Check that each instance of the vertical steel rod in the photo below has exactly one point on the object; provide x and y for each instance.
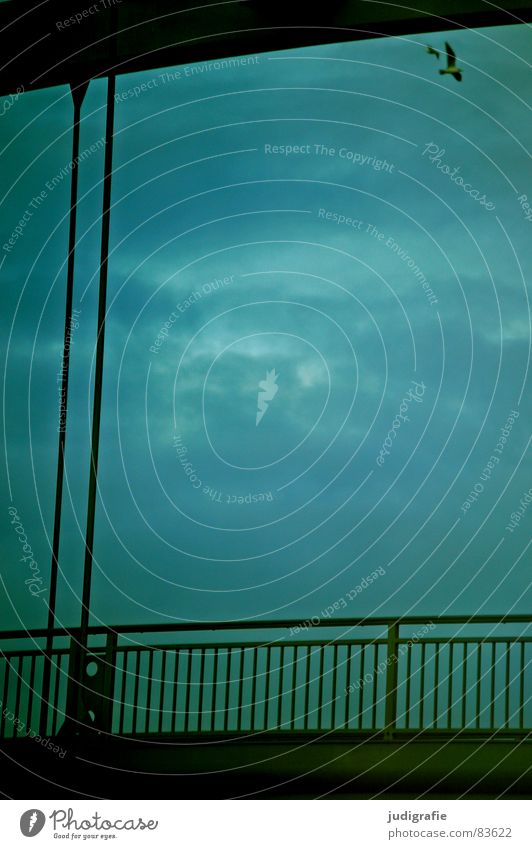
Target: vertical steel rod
(78, 94)
(98, 372)
(97, 403)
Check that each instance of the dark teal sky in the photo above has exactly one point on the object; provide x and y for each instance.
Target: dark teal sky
(336, 310)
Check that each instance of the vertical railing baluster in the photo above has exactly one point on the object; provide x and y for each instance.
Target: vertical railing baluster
(214, 688)
(450, 685)
(253, 719)
(267, 689)
(125, 655)
(240, 690)
(321, 650)
(293, 689)
(202, 688)
(374, 687)
(188, 653)
(333, 693)
(464, 685)
(109, 677)
(347, 685)
(4, 696)
(522, 686)
(435, 716)
(507, 688)
(492, 682)
(148, 692)
(479, 681)
(227, 688)
(55, 705)
(280, 686)
(407, 689)
(422, 685)
(136, 692)
(18, 691)
(307, 686)
(161, 696)
(174, 690)
(30, 693)
(361, 686)
(391, 680)
(74, 689)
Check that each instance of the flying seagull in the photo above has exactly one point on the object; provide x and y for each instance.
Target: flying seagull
(432, 52)
(451, 64)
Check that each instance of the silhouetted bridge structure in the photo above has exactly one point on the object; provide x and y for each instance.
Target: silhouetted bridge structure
(240, 708)
(434, 681)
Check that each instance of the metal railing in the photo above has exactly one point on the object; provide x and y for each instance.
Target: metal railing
(385, 682)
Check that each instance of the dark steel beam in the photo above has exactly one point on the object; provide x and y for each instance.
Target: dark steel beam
(45, 44)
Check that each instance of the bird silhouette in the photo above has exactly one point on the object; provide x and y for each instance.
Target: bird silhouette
(451, 64)
(432, 52)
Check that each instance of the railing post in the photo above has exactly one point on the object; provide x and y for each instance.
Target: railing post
(92, 693)
(71, 709)
(108, 682)
(392, 662)
(45, 688)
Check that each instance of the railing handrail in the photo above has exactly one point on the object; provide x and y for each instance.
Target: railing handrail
(279, 624)
(338, 662)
